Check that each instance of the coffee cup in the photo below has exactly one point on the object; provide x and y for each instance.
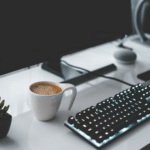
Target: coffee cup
(45, 98)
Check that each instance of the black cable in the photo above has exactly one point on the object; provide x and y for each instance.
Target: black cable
(97, 74)
(122, 46)
(122, 43)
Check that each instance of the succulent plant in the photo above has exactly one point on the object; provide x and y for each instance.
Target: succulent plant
(3, 110)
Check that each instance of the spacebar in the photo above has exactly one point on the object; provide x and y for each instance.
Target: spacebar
(126, 122)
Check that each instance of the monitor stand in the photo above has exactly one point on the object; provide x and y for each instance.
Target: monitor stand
(71, 75)
(53, 66)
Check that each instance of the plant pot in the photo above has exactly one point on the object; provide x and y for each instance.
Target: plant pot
(5, 123)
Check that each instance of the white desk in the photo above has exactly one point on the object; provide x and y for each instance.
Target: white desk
(27, 133)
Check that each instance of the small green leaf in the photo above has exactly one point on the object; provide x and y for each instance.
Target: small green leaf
(2, 104)
(3, 110)
(6, 108)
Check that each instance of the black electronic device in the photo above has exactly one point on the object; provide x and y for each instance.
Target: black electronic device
(147, 147)
(35, 32)
(144, 75)
(125, 56)
(110, 118)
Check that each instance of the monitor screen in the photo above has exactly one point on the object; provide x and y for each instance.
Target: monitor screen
(34, 32)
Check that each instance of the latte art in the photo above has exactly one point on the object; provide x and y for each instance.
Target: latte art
(45, 89)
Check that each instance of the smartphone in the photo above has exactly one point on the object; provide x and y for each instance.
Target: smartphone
(144, 75)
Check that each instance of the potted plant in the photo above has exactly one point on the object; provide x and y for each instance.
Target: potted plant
(5, 119)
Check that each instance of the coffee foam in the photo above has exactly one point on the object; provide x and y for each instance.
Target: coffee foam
(45, 89)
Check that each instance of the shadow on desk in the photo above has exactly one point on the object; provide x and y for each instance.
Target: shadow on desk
(8, 143)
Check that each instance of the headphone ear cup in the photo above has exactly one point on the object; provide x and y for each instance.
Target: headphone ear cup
(137, 19)
(146, 16)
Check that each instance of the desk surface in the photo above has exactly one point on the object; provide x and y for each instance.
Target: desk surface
(27, 133)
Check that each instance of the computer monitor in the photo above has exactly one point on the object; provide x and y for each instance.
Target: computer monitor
(35, 32)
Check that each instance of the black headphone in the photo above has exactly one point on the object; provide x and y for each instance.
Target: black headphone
(137, 20)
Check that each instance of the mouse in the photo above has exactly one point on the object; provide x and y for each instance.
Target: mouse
(125, 56)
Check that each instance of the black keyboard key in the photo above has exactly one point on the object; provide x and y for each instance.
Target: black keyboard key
(146, 89)
(71, 120)
(103, 103)
(77, 124)
(84, 113)
(117, 97)
(133, 89)
(100, 138)
(99, 106)
(84, 127)
(90, 124)
(96, 126)
(78, 115)
(87, 118)
(109, 119)
(106, 134)
(96, 113)
(101, 111)
(108, 125)
(104, 128)
(94, 120)
(92, 115)
(108, 101)
(101, 123)
(93, 109)
(89, 131)
(99, 118)
(111, 131)
(88, 110)
(82, 120)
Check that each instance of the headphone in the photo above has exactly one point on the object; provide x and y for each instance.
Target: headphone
(137, 20)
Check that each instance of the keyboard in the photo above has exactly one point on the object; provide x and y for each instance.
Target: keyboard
(113, 116)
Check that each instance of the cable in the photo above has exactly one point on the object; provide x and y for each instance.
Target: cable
(121, 44)
(97, 74)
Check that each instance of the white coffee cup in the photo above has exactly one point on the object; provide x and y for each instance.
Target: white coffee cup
(45, 107)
